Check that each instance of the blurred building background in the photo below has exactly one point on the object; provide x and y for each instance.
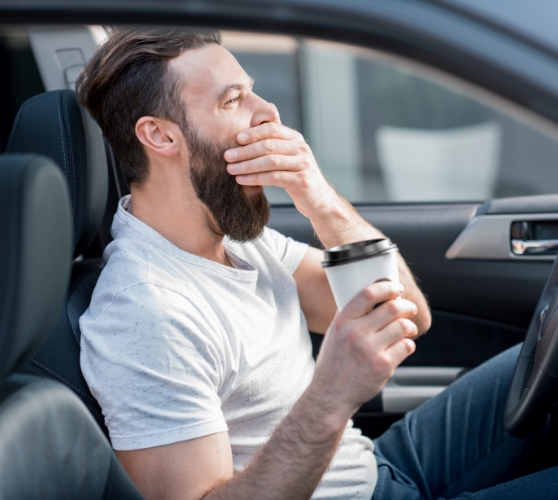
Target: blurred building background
(387, 130)
(382, 129)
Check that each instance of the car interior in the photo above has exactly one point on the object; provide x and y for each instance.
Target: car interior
(486, 267)
(50, 445)
(53, 124)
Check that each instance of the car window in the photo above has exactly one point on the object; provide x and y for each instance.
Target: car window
(386, 130)
(20, 76)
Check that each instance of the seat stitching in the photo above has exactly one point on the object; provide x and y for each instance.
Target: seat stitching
(105, 489)
(54, 374)
(37, 371)
(63, 148)
(71, 152)
(15, 127)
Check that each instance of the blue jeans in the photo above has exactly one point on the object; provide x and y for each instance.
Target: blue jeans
(455, 445)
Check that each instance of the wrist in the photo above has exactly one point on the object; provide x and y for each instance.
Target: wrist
(336, 222)
(330, 206)
(326, 417)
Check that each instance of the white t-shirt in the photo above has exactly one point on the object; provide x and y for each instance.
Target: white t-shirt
(175, 347)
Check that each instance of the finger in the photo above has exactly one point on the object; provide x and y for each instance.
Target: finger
(278, 178)
(390, 310)
(399, 329)
(372, 295)
(268, 130)
(400, 350)
(264, 147)
(265, 164)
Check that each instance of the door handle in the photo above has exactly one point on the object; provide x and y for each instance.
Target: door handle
(534, 247)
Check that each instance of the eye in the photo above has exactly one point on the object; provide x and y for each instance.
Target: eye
(232, 101)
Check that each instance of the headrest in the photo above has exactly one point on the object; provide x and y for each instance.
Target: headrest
(35, 254)
(54, 124)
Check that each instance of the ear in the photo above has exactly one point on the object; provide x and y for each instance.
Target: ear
(161, 136)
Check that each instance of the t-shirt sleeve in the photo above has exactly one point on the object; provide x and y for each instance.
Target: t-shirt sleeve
(154, 363)
(290, 252)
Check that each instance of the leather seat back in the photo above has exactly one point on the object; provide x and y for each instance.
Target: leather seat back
(33, 277)
(54, 124)
(50, 447)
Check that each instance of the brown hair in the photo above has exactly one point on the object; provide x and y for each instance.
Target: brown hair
(129, 77)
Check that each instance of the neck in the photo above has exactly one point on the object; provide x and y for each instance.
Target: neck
(174, 211)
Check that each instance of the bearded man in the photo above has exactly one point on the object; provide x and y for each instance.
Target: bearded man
(196, 341)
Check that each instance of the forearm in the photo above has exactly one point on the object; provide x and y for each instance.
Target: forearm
(294, 459)
(273, 155)
(338, 223)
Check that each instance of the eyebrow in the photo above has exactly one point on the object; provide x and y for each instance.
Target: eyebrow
(234, 86)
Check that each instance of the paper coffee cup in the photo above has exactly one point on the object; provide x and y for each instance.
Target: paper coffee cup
(350, 268)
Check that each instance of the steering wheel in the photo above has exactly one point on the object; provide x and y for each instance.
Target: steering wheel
(534, 384)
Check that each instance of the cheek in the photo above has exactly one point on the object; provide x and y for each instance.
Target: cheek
(247, 115)
(240, 122)
(226, 126)
(233, 128)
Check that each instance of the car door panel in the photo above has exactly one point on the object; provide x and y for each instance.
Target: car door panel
(501, 291)
(480, 307)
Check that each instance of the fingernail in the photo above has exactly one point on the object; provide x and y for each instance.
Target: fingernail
(231, 154)
(242, 137)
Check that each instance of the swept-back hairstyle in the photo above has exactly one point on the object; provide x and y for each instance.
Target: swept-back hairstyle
(129, 77)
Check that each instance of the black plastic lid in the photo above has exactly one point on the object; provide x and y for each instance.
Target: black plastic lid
(344, 254)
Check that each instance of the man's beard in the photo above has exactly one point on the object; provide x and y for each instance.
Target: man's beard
(239, 216)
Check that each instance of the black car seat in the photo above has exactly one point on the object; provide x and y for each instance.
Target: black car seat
(55, 125)
(50, 446)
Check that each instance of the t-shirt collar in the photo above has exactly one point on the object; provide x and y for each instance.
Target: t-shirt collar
(125, 225)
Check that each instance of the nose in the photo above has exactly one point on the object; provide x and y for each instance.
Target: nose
(264, 112)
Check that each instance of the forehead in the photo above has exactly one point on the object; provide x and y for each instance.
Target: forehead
(207, 71)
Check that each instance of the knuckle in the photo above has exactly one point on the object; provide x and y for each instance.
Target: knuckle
(403, 325)
(304, 181)
(305, 162)
(392, 307)
(382, 362)
(407, 326)
(274, 160)
(413, 329)
(269, 145)
(368, 294)
(275, 128)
